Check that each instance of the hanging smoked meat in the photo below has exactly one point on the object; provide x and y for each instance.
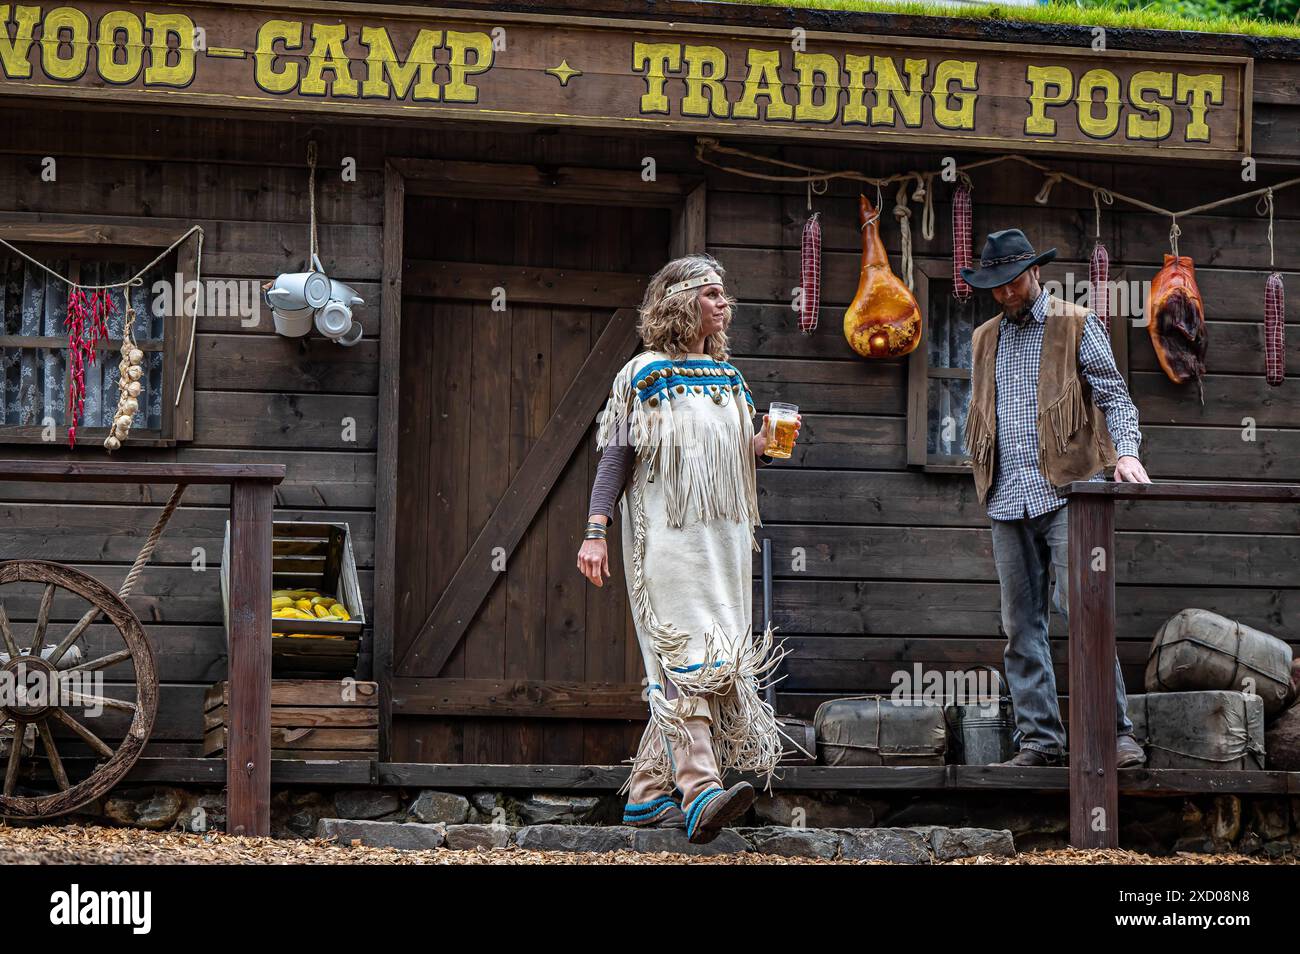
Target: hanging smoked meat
(1176, 322)
(883, 321)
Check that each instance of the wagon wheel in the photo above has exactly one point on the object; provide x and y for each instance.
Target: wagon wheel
(35, 662)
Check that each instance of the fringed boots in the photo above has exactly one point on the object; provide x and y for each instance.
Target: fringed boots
(650, 803)
(707, 805)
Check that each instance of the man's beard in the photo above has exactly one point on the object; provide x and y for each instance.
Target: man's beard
(1021, 315)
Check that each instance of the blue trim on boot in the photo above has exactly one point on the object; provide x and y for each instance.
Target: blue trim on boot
(697, 806)
(647, 810)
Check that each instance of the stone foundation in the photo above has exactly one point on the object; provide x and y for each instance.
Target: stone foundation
(1154, 825)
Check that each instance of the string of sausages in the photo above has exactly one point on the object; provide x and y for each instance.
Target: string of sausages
(1099, 263)
(1274, 311)
(810, 267)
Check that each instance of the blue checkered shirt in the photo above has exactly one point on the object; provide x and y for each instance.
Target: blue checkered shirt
(1019, 487)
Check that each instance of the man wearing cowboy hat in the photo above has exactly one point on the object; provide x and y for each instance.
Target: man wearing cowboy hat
(1048, 406)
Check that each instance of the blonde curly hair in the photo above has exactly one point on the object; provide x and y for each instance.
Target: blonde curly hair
(669, 324)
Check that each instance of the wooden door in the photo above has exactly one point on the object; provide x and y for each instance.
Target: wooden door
(504, 305)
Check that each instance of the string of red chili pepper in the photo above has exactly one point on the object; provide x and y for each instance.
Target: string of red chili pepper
(86, 323)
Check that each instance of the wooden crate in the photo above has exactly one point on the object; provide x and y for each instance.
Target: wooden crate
(318, 556)
(310, 719)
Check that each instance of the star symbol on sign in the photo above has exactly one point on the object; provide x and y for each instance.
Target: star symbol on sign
(564, 72)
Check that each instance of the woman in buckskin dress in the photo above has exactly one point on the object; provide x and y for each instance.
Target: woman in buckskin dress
(679, 447)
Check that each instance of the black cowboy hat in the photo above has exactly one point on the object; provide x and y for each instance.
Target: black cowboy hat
(1006, 254)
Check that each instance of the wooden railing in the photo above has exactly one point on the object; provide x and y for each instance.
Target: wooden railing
(252, 489)
(1094, 791)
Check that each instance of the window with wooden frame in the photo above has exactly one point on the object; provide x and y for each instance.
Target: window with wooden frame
(939, 370)
(34, 366)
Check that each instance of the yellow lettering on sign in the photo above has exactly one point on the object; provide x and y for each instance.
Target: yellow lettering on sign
(327, 53)
(56, 21)
(264, 72)
(695, 103)
(855, 107)
(1160, 122)
(109, 26)
(964, 72)
(655, 60)
(767, 82)
(382, 60)
(809, 66)
(1198, 92)
(1108, 83)
(889, 87)
(461, 45)
(1039, 78)
(160, 26)
(15, 54)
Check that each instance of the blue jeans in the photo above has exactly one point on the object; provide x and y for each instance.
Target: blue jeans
(1024, 551)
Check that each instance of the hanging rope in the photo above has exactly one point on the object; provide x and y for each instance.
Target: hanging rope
(311, 197)
(92, 614)
(925, 195)
(1265, 206)
(1045, 192)
(135, 280)
(194, 324)
(152, 541)
(705, 145)
(904, 214)
(1099, 196)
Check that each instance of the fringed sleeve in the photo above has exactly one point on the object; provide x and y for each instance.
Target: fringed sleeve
(612, 422)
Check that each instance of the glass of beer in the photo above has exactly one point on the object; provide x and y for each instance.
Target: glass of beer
(782, 418)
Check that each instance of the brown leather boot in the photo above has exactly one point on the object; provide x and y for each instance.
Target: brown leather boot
(650, 803)
(1031, 758)
(707, 805)
(1128, 753)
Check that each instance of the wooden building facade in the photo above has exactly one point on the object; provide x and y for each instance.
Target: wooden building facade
(455, 439)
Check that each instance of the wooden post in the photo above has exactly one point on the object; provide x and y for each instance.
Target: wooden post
(248, 745)
(1094, 792)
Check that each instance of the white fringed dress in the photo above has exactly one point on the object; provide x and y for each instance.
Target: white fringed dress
(688, 540)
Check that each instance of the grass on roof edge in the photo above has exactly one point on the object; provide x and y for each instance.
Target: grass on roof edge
(1118, 16)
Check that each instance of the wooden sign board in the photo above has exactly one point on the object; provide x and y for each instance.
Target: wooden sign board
(616, 74)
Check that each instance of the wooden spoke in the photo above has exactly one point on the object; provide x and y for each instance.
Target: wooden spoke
(92, 614)
(42, 619)
(81, 699)
(11, 773)
(103, 662)
(56, 763)
(94, 741)
(10, 646)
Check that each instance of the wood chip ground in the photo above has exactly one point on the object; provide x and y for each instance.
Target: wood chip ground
(77, 844)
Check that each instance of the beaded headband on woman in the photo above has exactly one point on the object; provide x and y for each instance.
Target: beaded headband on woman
(709, 278)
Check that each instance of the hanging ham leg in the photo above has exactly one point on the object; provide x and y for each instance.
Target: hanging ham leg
(883, 321)
(1176, 322)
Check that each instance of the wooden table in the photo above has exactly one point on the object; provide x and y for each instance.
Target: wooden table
(252, 489)
(1094, 791)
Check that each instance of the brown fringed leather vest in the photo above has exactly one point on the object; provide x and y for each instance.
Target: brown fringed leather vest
(1073, 441)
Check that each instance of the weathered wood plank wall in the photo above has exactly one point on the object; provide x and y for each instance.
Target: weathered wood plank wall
(899, 562)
